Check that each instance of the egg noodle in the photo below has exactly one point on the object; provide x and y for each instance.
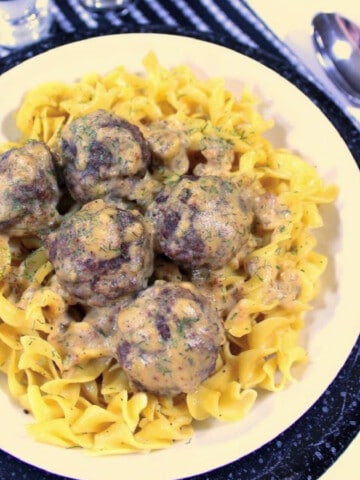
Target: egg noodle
(93, 406)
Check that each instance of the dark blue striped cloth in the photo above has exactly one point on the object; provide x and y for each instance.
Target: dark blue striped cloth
(226, 17)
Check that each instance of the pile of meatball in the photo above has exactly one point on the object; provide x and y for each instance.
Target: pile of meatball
(105, 246)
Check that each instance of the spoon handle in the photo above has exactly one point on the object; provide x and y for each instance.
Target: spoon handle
(336, 43)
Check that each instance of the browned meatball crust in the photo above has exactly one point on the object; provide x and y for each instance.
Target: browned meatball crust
(200, 221)
(102, 151)
(170, 337)
(28, 190)
(101, 253)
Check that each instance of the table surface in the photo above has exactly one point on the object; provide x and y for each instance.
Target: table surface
(311, 447)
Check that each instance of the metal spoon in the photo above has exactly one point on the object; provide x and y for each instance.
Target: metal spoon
(337, 42)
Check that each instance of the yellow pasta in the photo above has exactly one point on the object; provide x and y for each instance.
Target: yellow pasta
(93, 406)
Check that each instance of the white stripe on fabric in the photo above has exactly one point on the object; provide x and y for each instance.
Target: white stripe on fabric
(84, 15)
(226, 23)
(4, 52)
(137, 14)
(161, 12)
(112, 18)
(60, 18)
(191, 15)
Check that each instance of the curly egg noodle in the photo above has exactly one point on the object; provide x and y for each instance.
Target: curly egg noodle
(92, 405)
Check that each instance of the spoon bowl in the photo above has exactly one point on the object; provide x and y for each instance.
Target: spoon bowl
(337, 43)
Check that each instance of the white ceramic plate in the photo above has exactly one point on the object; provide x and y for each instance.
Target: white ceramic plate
(332, 327)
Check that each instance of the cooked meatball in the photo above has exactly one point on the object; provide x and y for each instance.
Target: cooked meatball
(268, 212)
(28, 190)
(93, 336)
(101, 253)
(168, 144)
(200, 221)
(215, 157)
(170, 338)
(101, 152)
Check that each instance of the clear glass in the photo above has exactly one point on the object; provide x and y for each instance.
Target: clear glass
(105, 4)
(23, 22)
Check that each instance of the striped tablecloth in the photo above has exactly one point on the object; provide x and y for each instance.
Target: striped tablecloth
(308, 448)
